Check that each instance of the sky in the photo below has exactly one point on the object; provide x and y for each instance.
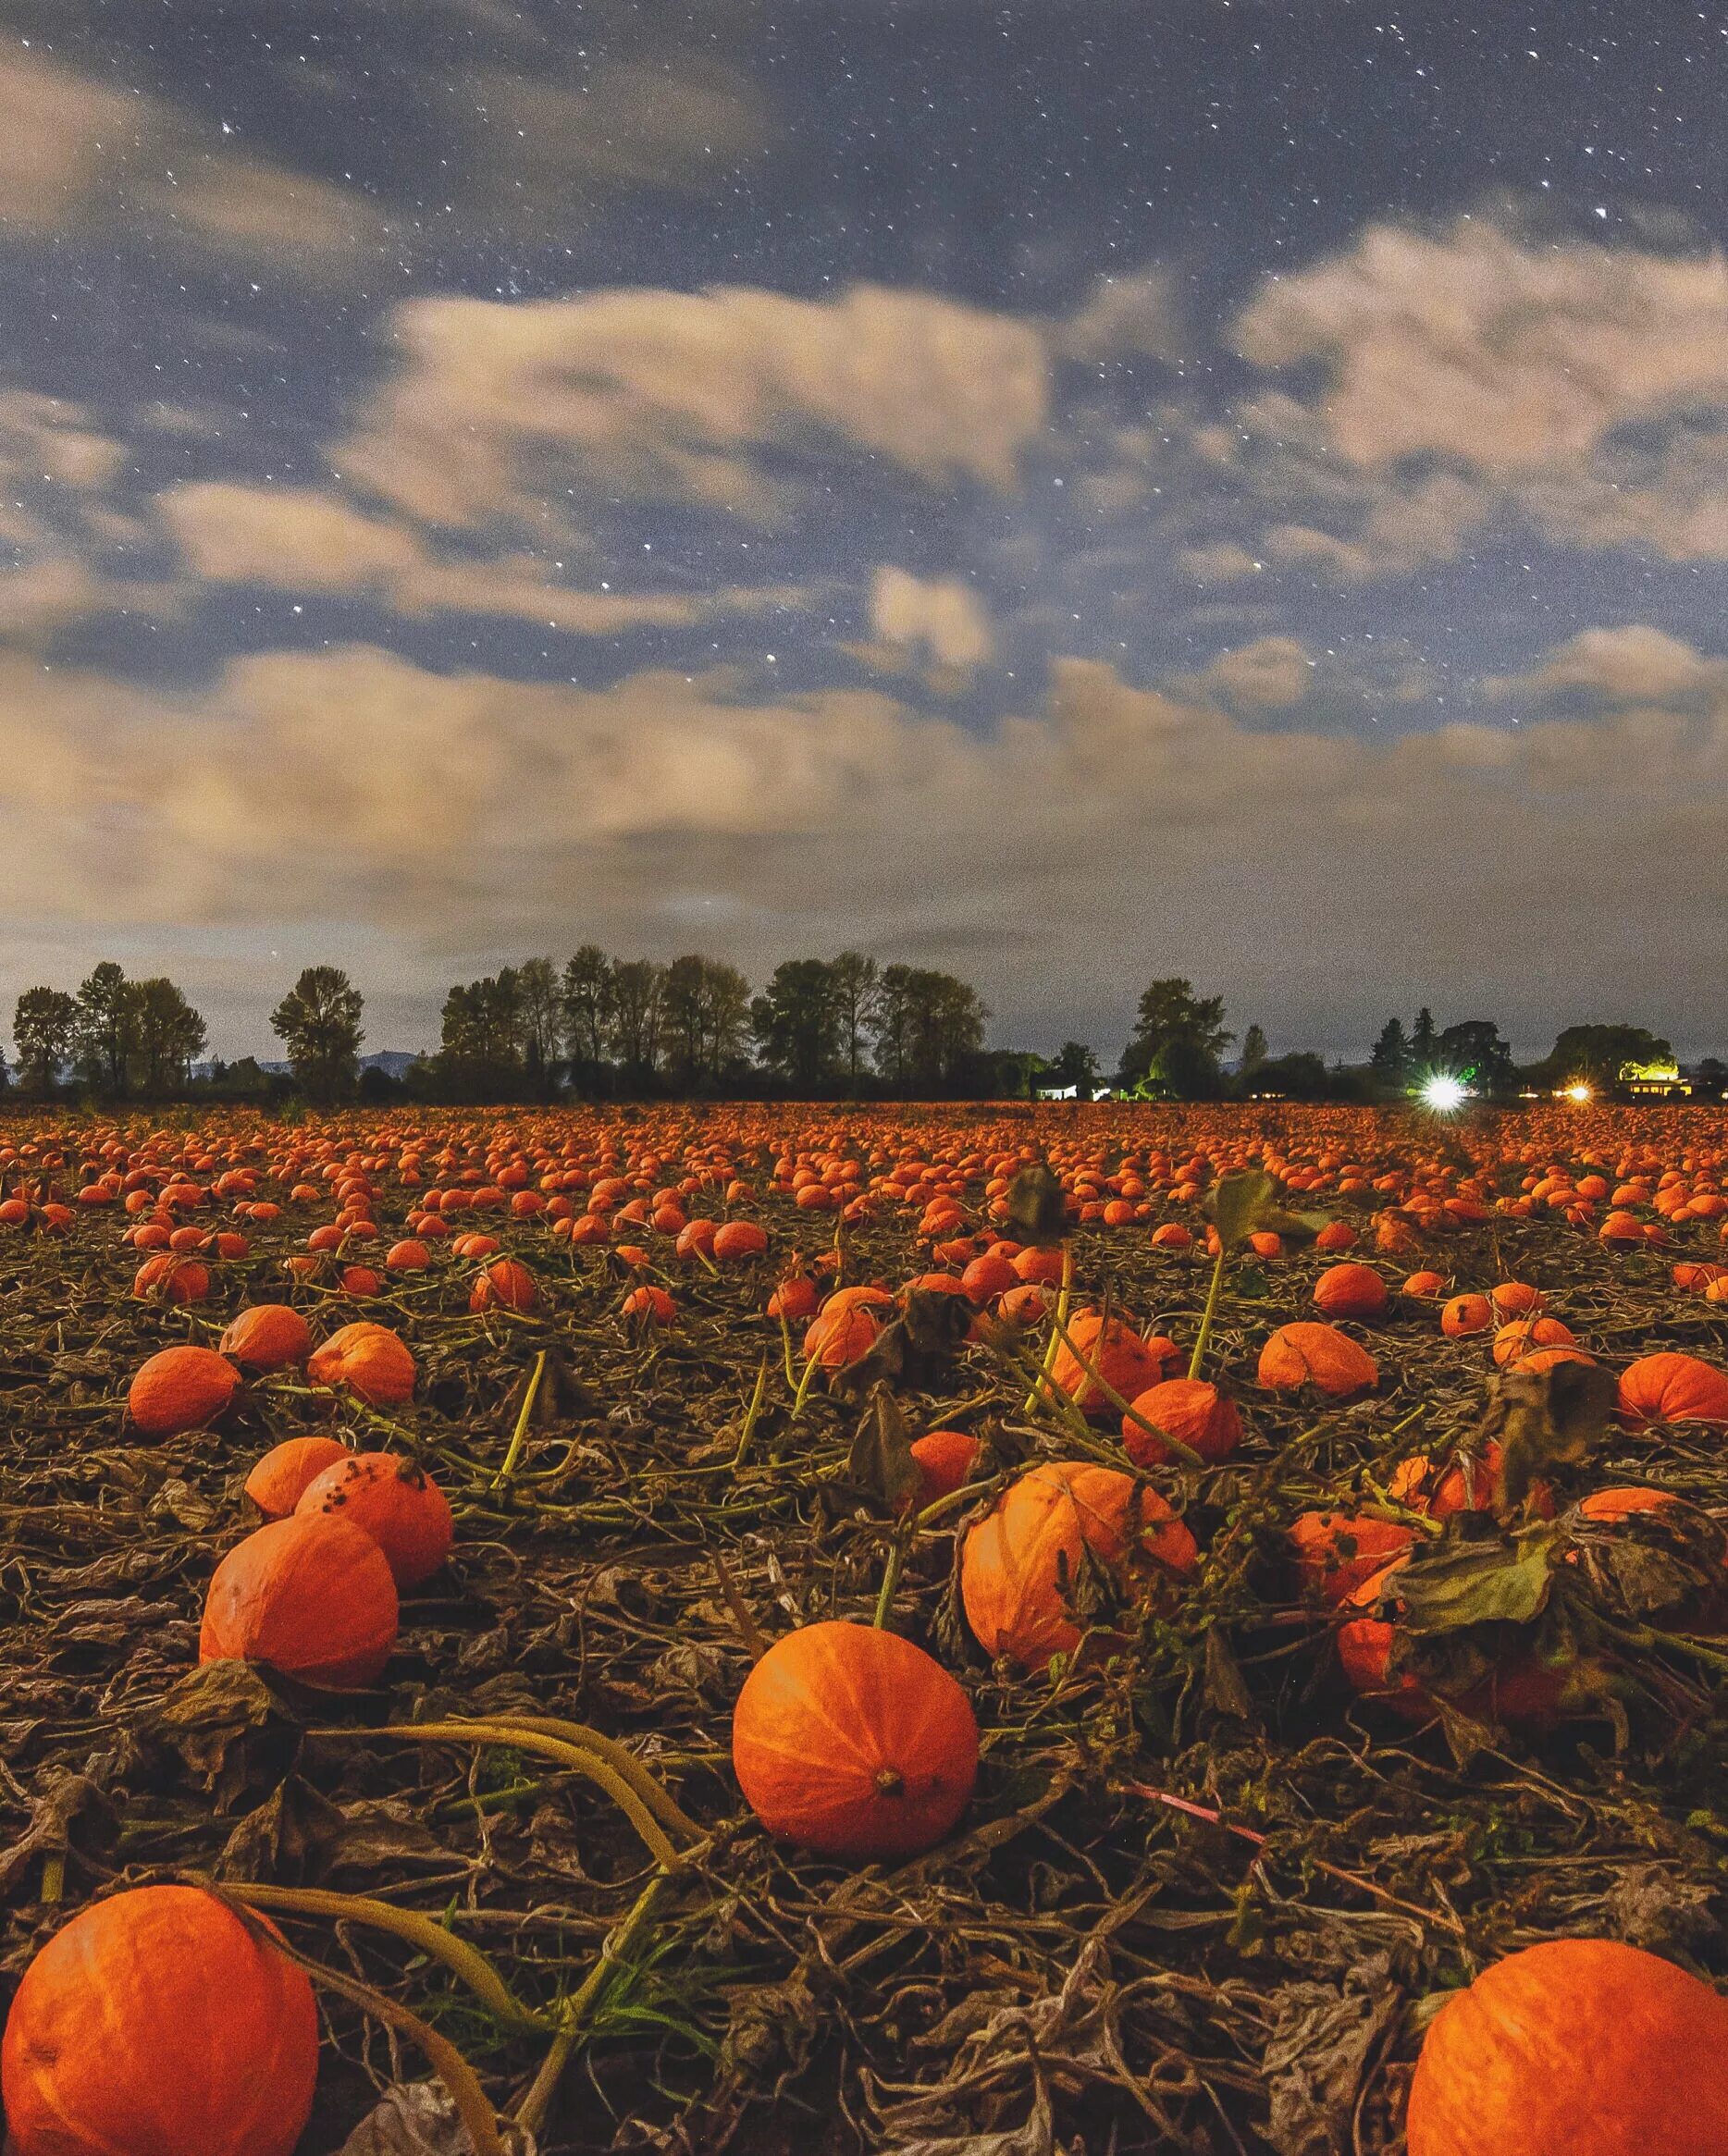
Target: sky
(1070, 492)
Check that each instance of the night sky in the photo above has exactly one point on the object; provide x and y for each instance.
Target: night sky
(1069, 493)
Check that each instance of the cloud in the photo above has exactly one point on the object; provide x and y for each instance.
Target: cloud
(1465, 371)
(294, 538)
(496, 410)
(450, 816)
(1217, 561)
(1125, 317)
(79, 155)
(1638, 664)
(1267, 675)
(941, 617)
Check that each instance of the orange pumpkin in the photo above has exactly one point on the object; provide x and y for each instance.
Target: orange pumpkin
(1465, 1314)
(1126, 1362)
(159, 2023)
(1672, 1387)
(171, 1279)
(270, 1336)
(311, 1596)
(397, 1503)
(1194, 1414)
(1351, 1291)
(1335, 1552)
(279, 1481)
(180, 1388)
(1019, 1560)
(855, 1743)
(945, 1460)
(1515, 1342)
(367, 1359)
(738, 1240)
(507, 1282)
(1582, 2046)
(1306, 1353)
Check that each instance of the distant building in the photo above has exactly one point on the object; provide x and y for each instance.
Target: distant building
(1654, 1082)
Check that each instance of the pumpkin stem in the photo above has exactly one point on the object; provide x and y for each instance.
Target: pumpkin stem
(531, 2112)
(519, 1433)
(1203, 1338)
(890, 1781)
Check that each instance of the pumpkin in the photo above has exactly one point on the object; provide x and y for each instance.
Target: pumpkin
(505, 1281)
(1672, 1387)
(1126, 1362)
(1575, 2047)
(1517, 1298)
(1351, 1291)
(1425, 1287)
(313, 1597)
(945, 1460)
(1335, 1552)
(367, 1359)
(1017, 1561)
(1306, 1353)
(738, 1240)
(1465, 1314)
(270, 1336)
(1523, 1691)
(649, 1306)
(397, 1503)
(1515, 1342)
(159, 2023)
(794, 1298)
(279, 1481)
(855, 1743)
(1194, 1414)
(180, 1388)
(171, 1279)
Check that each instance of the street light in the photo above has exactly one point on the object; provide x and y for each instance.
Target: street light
(1442, 1093)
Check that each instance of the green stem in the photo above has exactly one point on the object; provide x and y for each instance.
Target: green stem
(750, 1413)
(531, 2112)
(1061, 1319)
(1203, 1340)
(519, 1434)
(891, 1578)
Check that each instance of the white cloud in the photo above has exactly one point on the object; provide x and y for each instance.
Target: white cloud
(497, 410)
(941, 617)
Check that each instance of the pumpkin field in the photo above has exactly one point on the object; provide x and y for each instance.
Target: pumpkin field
(956, 1631)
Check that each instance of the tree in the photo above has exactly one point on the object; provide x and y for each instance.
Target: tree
(854, 978)
(1073, 1064)
(587, 997)
(1474, 1050)
(44, 1022)
(1423, 1044)
(633, 1024)
(924, 1025)
(167, 1037)
(1255, 1051)
(1299, 1076)
(481, 1044)
(1596, 1052)
(319, 1022)
(540, 1022)
(1712, 1076)
(1177, 1041)
(104, 1038)
(796, 1023)
(1391, 1058)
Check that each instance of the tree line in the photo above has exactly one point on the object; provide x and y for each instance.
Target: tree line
(603, 1027)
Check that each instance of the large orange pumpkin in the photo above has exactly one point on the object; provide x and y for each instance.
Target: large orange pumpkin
(1126, 1362)
(158, 2023)
(1019, 1560)
(1576, 2047)
(369, 1361)
(279, 1481)
(397, 1503)
(1672, 1387)
(270, 1336)
(855, 1743)
(1351, 1291)
(507, 1282)
(313, 1597)
(180, 1388)
(1194, 1414)
(1306, 1353)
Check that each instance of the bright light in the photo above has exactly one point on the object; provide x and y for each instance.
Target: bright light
(1580, 1093)
(1442, 1092)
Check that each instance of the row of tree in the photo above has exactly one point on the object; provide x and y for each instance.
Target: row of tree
(603, 1026)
